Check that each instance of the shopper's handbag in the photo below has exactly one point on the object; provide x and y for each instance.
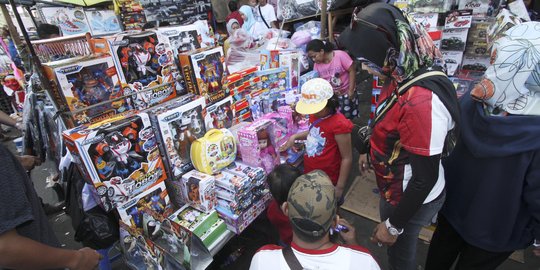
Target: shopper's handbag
(291, 259)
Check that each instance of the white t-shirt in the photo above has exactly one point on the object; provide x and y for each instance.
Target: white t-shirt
(336, 257)
(267, 12)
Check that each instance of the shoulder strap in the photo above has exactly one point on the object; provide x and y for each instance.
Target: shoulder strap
(262, 17)
(291, 259)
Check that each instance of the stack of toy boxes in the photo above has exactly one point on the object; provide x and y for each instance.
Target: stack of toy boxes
(148, 70)
(199, 190)
(289, 59)
(132, 14)
(240, 84)
(271, 92)
(89, 87)
(248, 183)
(258, 145)
(207, 226)
(120, 158)
(204, 73)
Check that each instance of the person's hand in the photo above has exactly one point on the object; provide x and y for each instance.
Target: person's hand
(20, 126)
(29, 162)
(349, 235)
(288, 144)
(381, 236)
(339, 192)
(363, 165)
(86, 258)
(352, 95)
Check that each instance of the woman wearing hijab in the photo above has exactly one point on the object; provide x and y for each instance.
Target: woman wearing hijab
(413, 125)
(253, 27)
(492, 206)
(232, 25)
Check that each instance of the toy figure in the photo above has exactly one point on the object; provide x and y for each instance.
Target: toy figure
(193, 190)
(267, 151)
(196, 123)
(136, 216)
(155, 204)
(184, 138)
(141, 57)
(117, 148)
(104, 168)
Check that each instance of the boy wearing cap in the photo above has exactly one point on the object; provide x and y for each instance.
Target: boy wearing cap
(311, 207)
(328, 139)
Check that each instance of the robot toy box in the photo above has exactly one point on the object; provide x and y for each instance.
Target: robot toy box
(179, 127)
(213, 152)
(155, 198)
(258, 145)
(121, 158)
(148, 69)
(139, 253)
(221, 114)
(89, 88)
(199, 190)
(181, 39)
(204, 73)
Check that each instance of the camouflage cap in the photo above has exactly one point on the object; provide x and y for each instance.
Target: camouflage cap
(312, 203)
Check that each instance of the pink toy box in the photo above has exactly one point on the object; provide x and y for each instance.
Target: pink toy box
(258, 145)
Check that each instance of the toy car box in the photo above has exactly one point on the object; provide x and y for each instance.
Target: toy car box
(155, 198)
(89, 87)
(240, 84)
(148, 70)
(199, 190)
(204, 73)
(258, 145)
(120, 158)
(237, 223)
(221, 114)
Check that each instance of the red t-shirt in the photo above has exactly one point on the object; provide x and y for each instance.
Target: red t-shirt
(280, 221)
(322, 151)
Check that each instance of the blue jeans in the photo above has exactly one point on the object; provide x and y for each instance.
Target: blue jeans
(402, 254)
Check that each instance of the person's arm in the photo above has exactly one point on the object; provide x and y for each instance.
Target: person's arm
(531, 196)
(345, 149)
(7, 120)
(290, 142)
(352, 80)
(19, 252)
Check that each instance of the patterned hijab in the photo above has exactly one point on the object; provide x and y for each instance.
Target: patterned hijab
(512, 83)
(392, 42)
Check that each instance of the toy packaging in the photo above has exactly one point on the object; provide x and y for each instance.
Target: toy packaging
(214, 233)
(307, 76)
(428, 20)
(102, 22)
(148, 68)
(291, 60)
(176, 12)
(213, 152)
(178, 128)
(475, 63)
(454, 39)
(271, 93)
(458, 19)
(180, 38)
(240, 85)
(269, 59)
(284, 124)
(199, 190)
(204, 73)
(195, 221)
(426, 6)
(84, 83)
(155, 198)
(237, 223)
(258, 144)
(479, 7)
(452, 60)
(221, 114)
(121, 158)
(71, 21)
(138, 253)
(504, 21)
(242, 169)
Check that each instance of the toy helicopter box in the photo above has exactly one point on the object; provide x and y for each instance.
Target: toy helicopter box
(120, 157)
(155, 198)
(221, 114)
(89, 87)
(179, 127)
(147, 68)
(204, 73)
(199, 190)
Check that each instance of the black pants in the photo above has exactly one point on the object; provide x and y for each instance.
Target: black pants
(447, 244)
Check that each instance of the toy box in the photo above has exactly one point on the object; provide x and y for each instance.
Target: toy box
(204, 73)
(284, 125)
(452, 60)
(102, 21)
(178, 128)
(237, 223)
(428, 20)
(271, 93)
(233, 183)
(180, 38)
(199, 190)
(291, 60)
(258, 144)
(213, 152)
(221, 114)
(458, 19)
(155, 198)
(84, 83)
(120, 158)
(257, 174)
(240, 84)
(426, 6)
(71, 21)
(307, 76)
(147, 68)
(138, 253)
(269, 59)
(194, 220)
(479, 7)
(454, 39)
(213, 233)
(475, 63)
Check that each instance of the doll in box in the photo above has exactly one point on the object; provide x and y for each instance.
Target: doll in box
(266, 150)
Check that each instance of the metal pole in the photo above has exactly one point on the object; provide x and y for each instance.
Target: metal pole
(324, 18)
(11, 27)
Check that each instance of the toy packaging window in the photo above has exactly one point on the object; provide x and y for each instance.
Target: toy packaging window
(258, 145)
(71, 21)
(240, 84)
(199, 190)
(155, 198)
(271, 94)
(102, 22)
(221, 114)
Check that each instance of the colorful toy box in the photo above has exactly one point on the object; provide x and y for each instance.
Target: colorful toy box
(120, 158)
(258, 144)
(199, 190)
(213, 152)
(89, 87)
(204, 73)
(284, 125)
(71, 21)
(240, 84)
(221, 114)
(291, 60)
(148, 69)
(237, 223)
(271, 92)
(207, 226)
(155, 198)
(181, 38)
(179, 127)
(138, 253)
(269, 59)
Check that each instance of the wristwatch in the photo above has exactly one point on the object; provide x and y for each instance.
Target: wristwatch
(391, 229)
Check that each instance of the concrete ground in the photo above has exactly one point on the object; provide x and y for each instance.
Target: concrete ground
(255, 236)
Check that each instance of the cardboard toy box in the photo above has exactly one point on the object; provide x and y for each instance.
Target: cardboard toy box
(221, 114)
(179, 126)
(199, 190)
(194, 220)
(204, 73)
(258, 144)
(184, 38)
(242, 169)
(271, 92)
(83, 84)
(240, 84)
(148, 70)
(155, 198)
(237, 223)
(213, 233)
(120, 158)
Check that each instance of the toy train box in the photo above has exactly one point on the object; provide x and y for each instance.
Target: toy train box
(148, 70)
(204, 73)
(239, 85)
(155, 198)
(220, 115)
(179, 127)
(199, 190)
(89, 87)
(121, 158)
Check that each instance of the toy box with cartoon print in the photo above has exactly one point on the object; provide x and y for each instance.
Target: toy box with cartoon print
(221, 114)
(155, 198)
(258, 145)
(194, 220)
(178, 128)
(87, 84)
(213, 152)
(204, 73)
(240, 84)
(186, 38)
(121, 158)
(199, 190)
(237, 223)
(270, 94)
(138, 253)
(148, 69)
(284, 125)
